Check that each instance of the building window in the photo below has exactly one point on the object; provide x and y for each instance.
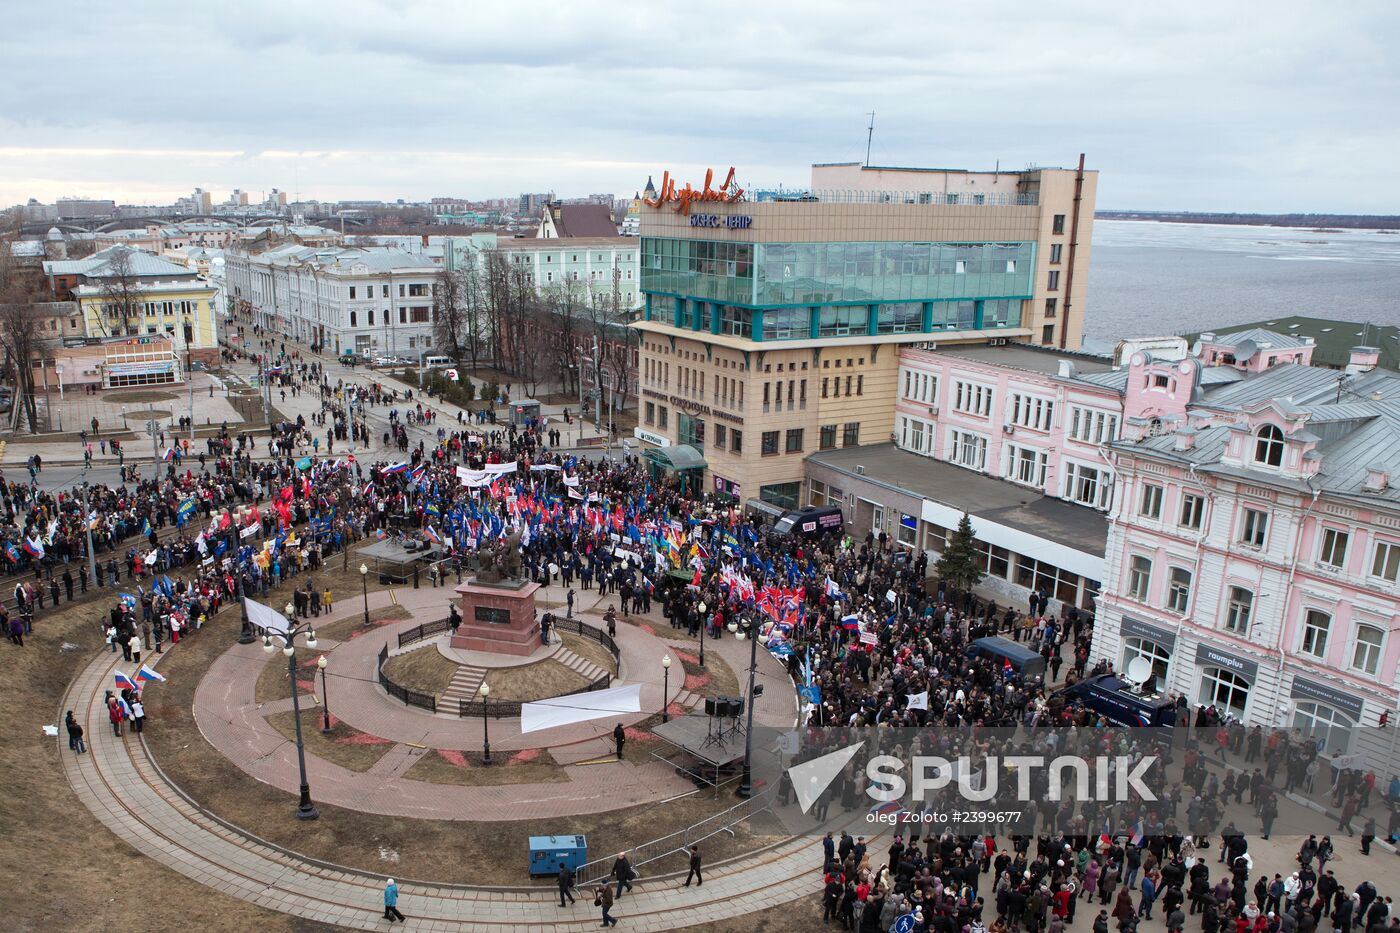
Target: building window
(1255, 528)
(737, 322)
(1053, 280)
(1139, 577)
(662, 416)
(1057, 226)
(793, 443)
(1093, 426)
(899, 318)
(736, 441)
(1179, 590)
(787, 324)
(719, 436)
(1151, 505)
(1316, 624)
(769, 445)
(827, 436)
(1192, 510)
(972, 398)
(1047, 334)
(352, 318)
(651, 412)
(1386, 564)
(1029, 411)
(1334, 548)
(371, 316)
(844, 321)
(1366, 655)
(1225, 690)
(1155, 654)
(1323, 725)
(1055, 250)
(969, 450)
(1268, 446)
(1052, 306)
(1088, 485)
(915, 435)
(920, 387)
(850, 434)
(1026, 465)
(1237, 610)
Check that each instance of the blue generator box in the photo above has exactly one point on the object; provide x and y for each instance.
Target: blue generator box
(548, 853)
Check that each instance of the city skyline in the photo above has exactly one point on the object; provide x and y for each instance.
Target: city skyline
(1178, 109)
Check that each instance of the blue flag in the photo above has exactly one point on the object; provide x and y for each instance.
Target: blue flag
(185, 511)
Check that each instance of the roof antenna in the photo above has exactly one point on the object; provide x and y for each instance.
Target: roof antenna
(869, 135)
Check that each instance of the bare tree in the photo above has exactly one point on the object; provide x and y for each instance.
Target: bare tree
(19, 336)
(121, 295)
(449, 312)
(607, 321)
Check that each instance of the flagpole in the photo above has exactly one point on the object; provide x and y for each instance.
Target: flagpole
(87, 523)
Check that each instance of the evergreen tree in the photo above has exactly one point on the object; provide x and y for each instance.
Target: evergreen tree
(959, 566)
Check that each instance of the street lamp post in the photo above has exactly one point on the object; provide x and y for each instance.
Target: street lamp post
(325, 697)
(364, 586)
(665, 687)
(748, 629)
(305, 809)
(485, 726)
(704, 624)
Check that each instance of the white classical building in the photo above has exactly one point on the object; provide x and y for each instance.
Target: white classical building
(369, 300)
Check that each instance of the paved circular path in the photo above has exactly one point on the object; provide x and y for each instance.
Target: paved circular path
(120, 783)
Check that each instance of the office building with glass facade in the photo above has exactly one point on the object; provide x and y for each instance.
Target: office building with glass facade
(772, 328)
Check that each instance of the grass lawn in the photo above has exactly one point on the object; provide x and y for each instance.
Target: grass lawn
(536, 681)
(60, 863)
(715, 678)
(339, 747)
(423, 669)
(454, 767)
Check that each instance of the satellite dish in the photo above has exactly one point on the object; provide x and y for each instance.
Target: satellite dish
(1139, 670)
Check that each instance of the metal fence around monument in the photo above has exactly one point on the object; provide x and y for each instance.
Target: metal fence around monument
(404, 695)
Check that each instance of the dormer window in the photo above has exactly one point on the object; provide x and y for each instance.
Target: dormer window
(1268, 446)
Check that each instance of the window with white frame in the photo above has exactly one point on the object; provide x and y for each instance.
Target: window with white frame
(1366, 653)
(1321, 723)
(969, 449)
(1155, 654)
(1316, 625)
(1254, 528)
(1225, 690)
(1092, 425)
(1386, 562)
(1179, 590)
(1237, 610)
(1150, 505)
(1088, 485)
(972, 398)
(1139, 577)
(1192, 510)
(1026, 465)
(915, 435)
(1334, 548)
(1030, 411)
(920, 387)
(1268, 446)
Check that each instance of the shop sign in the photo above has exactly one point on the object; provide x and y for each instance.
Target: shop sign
(1153, 633)
(651, 438)
(1311, 690)
(1214, 657)
(682, 198)
(729, 222)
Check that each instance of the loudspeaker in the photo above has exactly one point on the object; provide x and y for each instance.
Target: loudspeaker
(712, 706)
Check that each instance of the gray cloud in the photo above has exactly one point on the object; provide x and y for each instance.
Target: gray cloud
(1202, 105)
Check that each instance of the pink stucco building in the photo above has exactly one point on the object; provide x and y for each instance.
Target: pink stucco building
(1253, 551)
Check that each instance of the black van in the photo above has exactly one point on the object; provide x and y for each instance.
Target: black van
(1115, 698)
(813, 520)
(1026, 662)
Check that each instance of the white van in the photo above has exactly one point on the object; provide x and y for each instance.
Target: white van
(438, 362)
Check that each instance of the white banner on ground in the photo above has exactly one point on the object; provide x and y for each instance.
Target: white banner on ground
(580, 707)
(265, 617)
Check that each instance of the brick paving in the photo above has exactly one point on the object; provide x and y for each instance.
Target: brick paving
(119, 782)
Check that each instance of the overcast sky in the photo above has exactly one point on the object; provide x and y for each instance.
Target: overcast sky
(1219, 105)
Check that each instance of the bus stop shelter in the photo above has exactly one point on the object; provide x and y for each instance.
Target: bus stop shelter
(680, 460)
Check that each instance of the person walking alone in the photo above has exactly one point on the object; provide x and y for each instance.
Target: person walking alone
(391, 902)
(694, 868)
(566, 885)
(604, 899)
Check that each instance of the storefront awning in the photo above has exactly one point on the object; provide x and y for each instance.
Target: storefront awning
(676, 457)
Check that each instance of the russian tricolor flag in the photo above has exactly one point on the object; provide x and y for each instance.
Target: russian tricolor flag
(146, 673)
(851, 623)
(124, 682)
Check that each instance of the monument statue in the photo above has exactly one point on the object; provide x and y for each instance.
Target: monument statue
(499, 562)
(510, 558)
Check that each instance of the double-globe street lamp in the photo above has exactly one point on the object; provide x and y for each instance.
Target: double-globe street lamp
(704, 624)
(748, 627)
(364, 586)
(321, 663)
(305, 809)
(485, 692)
(665, 687)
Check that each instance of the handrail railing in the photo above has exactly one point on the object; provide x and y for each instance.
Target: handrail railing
(402, 694)
(420, 632)
(679, 841)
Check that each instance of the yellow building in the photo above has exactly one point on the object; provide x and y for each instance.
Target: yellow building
(772, 327)
(125, 292)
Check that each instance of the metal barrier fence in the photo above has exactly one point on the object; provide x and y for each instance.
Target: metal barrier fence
(402, 694)
(420, 632)
(576, 627)
(680, 841)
